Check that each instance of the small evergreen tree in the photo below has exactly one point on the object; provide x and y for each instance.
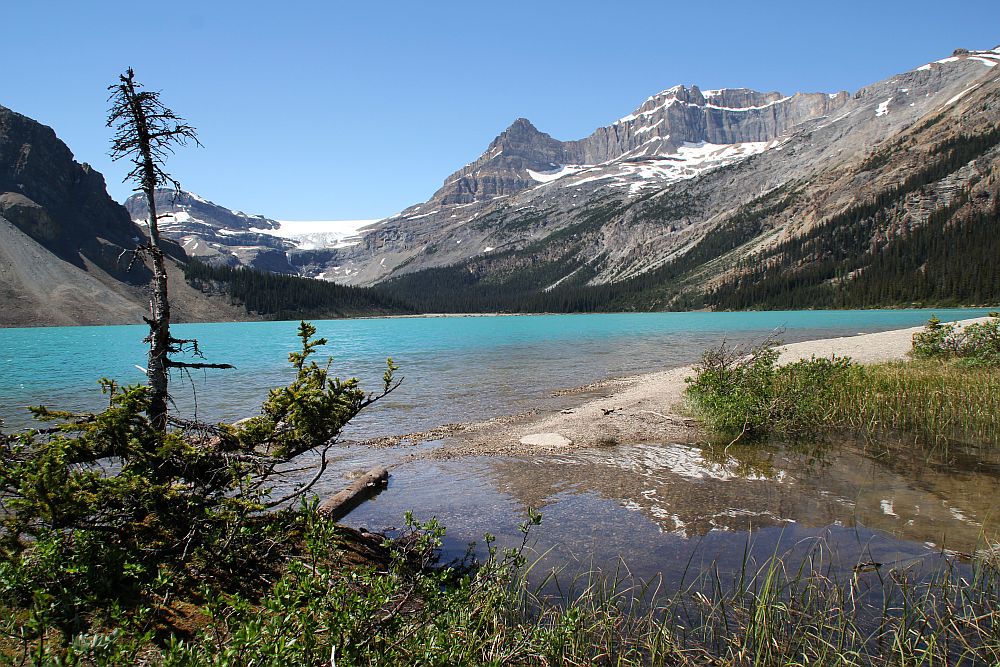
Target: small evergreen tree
(103, 511)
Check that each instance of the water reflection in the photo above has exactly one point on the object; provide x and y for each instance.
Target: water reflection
(672, 509)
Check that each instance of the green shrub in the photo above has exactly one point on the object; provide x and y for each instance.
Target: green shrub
(744, 391)
(105, 510)
(975, 344)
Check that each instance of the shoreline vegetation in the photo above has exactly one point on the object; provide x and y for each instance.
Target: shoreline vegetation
(644, 408)
(949, 392)
(302, 590)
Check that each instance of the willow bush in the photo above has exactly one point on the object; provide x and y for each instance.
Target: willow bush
(744, 391)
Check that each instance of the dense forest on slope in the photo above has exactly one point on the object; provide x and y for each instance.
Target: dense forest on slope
(291, 297)
(862, 257)
(949, 260)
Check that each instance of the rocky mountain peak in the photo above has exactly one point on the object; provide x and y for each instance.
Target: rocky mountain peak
(504, 168)
(524, 140)
(213, 233)
(183, 206)
(521, 127)
(521, 156)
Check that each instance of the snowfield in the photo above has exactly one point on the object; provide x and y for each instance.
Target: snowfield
(313, 234)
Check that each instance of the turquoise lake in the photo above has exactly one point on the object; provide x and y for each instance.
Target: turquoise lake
(455, 368)
(631, 501)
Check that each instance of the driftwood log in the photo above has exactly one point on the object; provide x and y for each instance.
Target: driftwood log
(366, 486)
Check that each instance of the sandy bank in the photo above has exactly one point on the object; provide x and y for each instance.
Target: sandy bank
(643, 408)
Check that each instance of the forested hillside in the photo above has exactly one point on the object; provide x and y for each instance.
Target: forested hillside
(290, 297)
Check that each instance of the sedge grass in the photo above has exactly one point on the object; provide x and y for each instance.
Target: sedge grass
(778, 612)
(934, 402)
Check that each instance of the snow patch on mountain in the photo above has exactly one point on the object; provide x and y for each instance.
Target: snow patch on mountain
(751, 108)
(313, 234)
(960, 95)
(293, 228)
(656, 169)
(559, 172)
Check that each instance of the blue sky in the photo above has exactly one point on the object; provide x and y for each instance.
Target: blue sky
(330, 110)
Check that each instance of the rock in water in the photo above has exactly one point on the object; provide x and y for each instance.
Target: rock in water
(551, 440)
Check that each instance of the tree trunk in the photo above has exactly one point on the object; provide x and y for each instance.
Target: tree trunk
(369, 484)
(145, 132)
(159, 325)
(159, 305)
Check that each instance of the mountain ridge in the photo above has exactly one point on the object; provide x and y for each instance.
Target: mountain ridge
(601, 227)
(65, 243)
(808, 199)
(531, 200)
(436, 233)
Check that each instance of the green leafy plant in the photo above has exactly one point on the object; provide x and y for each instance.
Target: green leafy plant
(107, 509)
(977, 343)
(743, 391)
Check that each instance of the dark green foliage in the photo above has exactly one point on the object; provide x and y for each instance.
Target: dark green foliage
(853, 260)
(291, 297)
(311, 410)
(743, 391)
(410, 614)
(769, 613)
(106, 511)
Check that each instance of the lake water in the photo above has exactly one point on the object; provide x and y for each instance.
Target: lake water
(665, 508)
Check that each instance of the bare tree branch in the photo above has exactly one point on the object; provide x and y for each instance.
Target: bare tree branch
(146, 132)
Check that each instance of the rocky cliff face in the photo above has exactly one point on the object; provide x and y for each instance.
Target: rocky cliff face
(678, 116)
(64, 241)
(639, 193)
(214, 233)
(665, 123)
(504, 169)
(207, 213)
(61, 204)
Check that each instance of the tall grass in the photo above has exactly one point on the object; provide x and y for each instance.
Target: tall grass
(934, 402)
(777, 612)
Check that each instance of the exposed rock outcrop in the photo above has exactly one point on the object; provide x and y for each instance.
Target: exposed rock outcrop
(60, 203)
(660, 126)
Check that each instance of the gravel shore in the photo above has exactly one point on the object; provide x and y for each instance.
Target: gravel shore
(643, 408)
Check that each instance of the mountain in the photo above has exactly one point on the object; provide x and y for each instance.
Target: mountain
(721, 199)
(219, 236)
(213, 233)
(64, 242)
(695, 196)
(665, 125)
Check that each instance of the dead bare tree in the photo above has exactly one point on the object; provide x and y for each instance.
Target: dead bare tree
(146, 133)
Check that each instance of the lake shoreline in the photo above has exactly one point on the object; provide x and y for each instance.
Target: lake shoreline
(637, 409)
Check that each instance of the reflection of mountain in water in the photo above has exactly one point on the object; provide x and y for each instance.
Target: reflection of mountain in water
(691, 491)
